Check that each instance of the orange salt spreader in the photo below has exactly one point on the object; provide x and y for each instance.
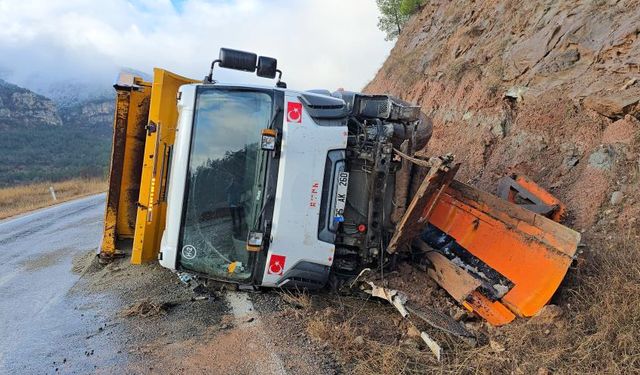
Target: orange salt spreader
(498, 257)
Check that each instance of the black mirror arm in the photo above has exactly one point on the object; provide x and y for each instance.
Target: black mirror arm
(279, 83)
(209, 78)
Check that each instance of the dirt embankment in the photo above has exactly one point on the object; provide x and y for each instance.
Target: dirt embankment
(550, 90)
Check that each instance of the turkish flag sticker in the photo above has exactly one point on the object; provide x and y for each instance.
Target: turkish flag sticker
(276, 264)
(294, 112)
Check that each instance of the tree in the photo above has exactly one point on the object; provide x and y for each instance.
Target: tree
(394, 14)
(408, 7)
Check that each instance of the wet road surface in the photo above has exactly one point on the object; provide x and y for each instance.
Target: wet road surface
(61, 312)
(43, 327)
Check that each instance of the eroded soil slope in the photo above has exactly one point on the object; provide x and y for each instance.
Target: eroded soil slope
(549, 89)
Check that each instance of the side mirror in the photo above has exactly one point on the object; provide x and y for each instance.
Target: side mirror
(238, 60)
(254, 241)
(267, 67)
(268, 142)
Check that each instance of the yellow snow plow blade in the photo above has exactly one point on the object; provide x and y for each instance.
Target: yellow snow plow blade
(144, 132)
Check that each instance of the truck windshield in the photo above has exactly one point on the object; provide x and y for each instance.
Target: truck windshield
(225, 181)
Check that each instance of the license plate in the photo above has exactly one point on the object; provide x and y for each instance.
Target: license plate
(341, 193)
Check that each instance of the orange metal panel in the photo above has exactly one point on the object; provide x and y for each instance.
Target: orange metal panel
(108, 244)
(544, 196)
(528, 249)
(493, 312)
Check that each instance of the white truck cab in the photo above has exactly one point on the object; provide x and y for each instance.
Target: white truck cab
(259, 188)
(223, 186)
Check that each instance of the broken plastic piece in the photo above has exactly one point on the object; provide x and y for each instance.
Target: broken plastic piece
(435, 348)
(185, 277)
(397, 299)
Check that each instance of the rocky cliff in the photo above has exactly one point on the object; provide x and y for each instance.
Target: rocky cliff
(48, 140)
(545, 88)
(96, 114)
(24, 108)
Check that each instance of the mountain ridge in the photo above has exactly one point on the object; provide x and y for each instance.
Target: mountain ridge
(51, 141)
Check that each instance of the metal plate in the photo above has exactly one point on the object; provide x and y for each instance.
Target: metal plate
(341, 193)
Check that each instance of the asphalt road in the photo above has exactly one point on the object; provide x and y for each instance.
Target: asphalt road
(54, 320)
(42, 325)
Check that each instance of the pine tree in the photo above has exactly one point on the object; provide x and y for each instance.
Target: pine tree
(394, 14)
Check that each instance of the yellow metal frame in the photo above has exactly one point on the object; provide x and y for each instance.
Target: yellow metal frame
(132, 108)
(152, 206)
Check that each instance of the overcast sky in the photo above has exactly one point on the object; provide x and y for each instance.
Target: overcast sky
(318, 43)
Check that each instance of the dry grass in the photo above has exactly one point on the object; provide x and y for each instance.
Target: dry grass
(18, 199)
(369, 337)
(296, 299)
(598, 332)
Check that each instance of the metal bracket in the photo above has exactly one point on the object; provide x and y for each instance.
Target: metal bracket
(524, 192)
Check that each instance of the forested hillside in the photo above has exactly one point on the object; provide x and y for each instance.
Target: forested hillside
(43, 141)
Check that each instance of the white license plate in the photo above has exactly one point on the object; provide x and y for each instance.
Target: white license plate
(341, 193)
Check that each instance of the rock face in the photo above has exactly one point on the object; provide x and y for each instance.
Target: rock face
(96, 114)
(21, 107)
(549, 89)
(46, 140)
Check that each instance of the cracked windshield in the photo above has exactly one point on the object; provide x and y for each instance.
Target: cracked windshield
(226, 174)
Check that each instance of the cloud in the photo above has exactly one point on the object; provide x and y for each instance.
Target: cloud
(318, 43)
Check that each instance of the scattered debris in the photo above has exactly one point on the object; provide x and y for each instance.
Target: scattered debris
(435, 348)
(443, 322)
(186, 278)
(147, 308)
(394, 297)
(432, 317)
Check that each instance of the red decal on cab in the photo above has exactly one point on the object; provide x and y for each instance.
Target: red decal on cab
(276, 264)
(315, 190)
(294, 112)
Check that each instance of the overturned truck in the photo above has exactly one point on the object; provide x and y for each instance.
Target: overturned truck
(264, 186)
